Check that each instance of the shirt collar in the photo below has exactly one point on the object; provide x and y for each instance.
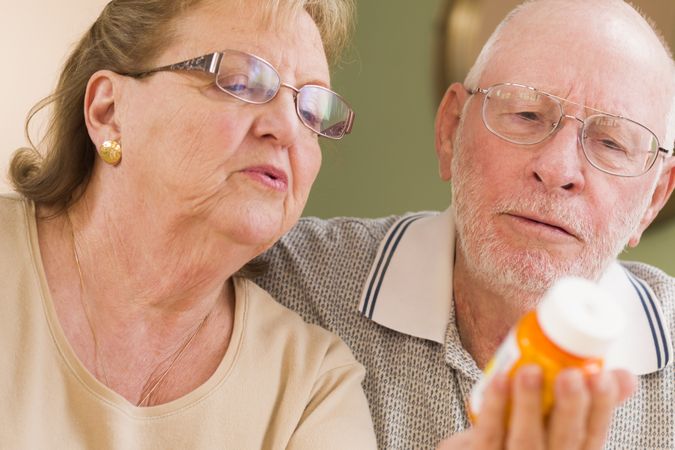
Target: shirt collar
(409, 290)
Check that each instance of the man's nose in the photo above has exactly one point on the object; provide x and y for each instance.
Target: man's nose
(558, 163)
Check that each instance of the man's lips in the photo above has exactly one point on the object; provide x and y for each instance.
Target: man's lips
(553, 224)
(270, 176)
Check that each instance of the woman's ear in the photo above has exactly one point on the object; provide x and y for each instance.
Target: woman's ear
(99, 107)
(447, 122)
(662, 192)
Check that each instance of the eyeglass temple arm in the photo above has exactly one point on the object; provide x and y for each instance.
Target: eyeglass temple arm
(350, 122)
(475, 90)
(667, 152)
(206, 63)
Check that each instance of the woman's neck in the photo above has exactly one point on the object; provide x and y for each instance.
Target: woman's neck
(146, 259)
(129, 295)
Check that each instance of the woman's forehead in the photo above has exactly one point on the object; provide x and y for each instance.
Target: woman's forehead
(295, 43)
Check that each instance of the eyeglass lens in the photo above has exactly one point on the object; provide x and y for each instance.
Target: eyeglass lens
(524, 115)
(253, 80)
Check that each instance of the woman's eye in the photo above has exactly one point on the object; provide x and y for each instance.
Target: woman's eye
(234, 83)
(310, 118)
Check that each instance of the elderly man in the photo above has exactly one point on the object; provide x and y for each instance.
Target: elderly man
(559, 147)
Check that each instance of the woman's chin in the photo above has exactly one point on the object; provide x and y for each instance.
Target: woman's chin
(259, 230)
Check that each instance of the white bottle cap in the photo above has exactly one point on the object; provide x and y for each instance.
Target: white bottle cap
(580, 317)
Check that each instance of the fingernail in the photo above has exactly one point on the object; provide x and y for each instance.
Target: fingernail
(531, 376)
(573, 381)
(601, 382)
(500, 383)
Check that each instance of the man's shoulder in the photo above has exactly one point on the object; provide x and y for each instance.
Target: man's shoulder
(338, 231)
(646, 420)
(663, 286)
(314, 241)
(661, 283)
(320, 266)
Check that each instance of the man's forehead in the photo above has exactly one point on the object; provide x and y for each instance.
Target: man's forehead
(611, 63)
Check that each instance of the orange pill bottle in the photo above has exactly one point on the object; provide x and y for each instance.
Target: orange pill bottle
(573, 327)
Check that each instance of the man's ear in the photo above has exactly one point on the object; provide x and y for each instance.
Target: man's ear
(447, 122)
(99, 107)
(664, 188)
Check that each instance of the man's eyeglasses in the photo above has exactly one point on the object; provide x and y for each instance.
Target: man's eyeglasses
(613, 144)
(253, 80)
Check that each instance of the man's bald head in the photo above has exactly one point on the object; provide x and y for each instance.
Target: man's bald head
(569, 28)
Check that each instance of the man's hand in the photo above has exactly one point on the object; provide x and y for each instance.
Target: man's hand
(579, 420)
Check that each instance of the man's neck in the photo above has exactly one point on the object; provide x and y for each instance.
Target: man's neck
(483, 315)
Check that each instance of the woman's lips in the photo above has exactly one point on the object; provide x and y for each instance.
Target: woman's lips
(269, 176)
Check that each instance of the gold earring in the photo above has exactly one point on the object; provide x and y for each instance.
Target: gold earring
(111, 152)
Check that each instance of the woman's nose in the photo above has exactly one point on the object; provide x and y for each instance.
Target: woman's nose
(277, 119)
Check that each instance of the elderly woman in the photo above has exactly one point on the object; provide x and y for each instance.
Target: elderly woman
(183, 143)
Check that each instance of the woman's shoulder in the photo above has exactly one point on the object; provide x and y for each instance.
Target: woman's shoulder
(12, 206)
(284, 330)
(17, 255)
(14, 213)
(310, 374)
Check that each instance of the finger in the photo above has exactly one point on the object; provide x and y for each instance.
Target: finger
(489, 430)
(459, 441)
(567, 423)
(526, 429)
(627, 384)
(606, 394)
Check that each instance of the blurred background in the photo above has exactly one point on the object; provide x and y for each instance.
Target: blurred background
(403, 57)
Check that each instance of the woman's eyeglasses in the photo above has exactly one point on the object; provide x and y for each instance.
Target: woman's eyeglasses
(613, 144)
(253, 80)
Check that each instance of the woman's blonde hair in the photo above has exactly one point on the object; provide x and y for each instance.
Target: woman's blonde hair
(127, 34)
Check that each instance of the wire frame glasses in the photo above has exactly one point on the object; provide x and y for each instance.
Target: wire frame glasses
(613, 144)
(251, 79)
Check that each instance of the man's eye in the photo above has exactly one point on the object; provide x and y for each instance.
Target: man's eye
(612, 145)
(607, 144)
(528, 115)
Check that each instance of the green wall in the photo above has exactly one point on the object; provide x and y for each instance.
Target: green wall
(388, 165)
(657, 247)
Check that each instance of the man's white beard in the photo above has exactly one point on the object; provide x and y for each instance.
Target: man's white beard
(506, 268)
